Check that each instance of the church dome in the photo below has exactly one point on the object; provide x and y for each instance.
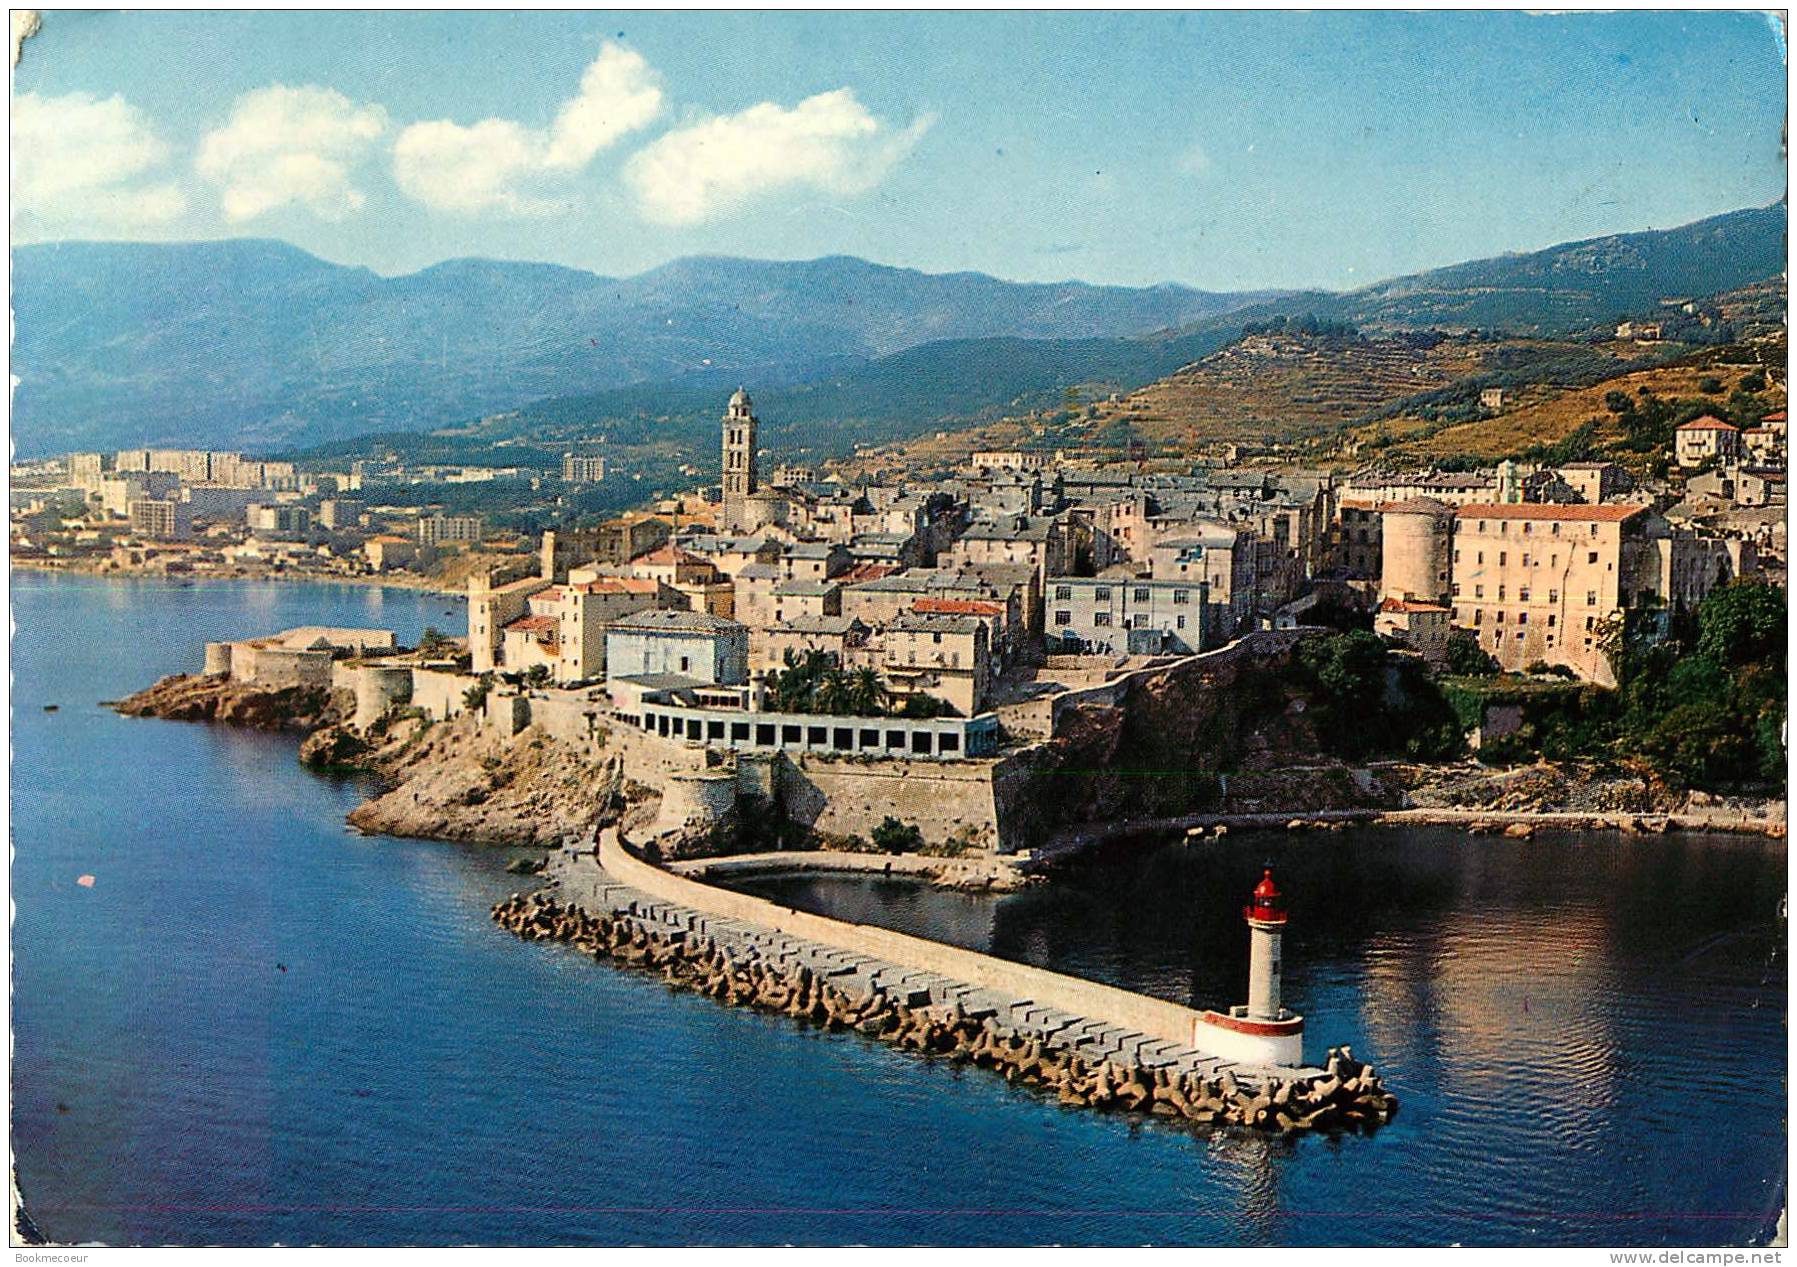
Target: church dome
(740, 399)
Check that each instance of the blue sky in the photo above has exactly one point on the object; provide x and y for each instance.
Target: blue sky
(1222, 150)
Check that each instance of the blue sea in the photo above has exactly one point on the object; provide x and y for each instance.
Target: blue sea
(259, 1027)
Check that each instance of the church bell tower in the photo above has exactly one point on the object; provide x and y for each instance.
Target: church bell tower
(740, 482)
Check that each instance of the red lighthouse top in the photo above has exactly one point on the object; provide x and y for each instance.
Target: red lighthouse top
(1264, 907)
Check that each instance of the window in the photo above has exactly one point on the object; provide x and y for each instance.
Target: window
(1503, 557)
(1553, 596)
(1456, 556)
(1479, 558)
(1591, 598)
(1556, 530)
(1522, 595)
(1550, 625)
(1141, 620)
(1500, 616)
(1181, 597)
(1063, 593)
(1525, 560)
(1500, 593)
(1527, 528)
(1101, 618)
(1456, 589)
(1594, 530)
(1522, 618)
(1478, 591)
(1478, 617)
(1102, 594)
(1179, 622)
(686, 663)
(1063, 617)
(1141, 594)
(1593, 558)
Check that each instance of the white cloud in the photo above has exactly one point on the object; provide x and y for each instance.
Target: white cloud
(84, 160)
(286, 146)
(828, 142)
(498, 165)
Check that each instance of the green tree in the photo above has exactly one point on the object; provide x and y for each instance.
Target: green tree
(1710, 385)
(1466, 658)
(476, 696)
(893, 836)
(1741, 623)
(868, 693)
(536, 675)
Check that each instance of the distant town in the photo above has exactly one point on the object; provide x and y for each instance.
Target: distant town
(941, 589)
(788, 609)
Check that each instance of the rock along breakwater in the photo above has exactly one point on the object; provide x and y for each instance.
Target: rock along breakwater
(1083, 1062)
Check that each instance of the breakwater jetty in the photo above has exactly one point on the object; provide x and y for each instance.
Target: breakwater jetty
(1119, 1051)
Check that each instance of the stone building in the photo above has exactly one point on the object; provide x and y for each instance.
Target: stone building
(1542, 583)
(1128, 616)
(1706, 438)
(689, 645)
(1416, 540)
(945, 657)
(739, 457)
(1423, 627)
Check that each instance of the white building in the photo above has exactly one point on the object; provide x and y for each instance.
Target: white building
(691, 645)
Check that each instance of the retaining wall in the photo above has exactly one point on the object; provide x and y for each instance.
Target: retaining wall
(846, 797)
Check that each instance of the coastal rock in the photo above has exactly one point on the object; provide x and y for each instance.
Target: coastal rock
(452, 781)
(192, 697)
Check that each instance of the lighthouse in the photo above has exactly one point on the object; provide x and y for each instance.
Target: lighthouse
(1266, 925)
(1261, 1031)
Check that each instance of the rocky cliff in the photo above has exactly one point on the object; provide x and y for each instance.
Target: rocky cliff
(195, 697)
(449, 781)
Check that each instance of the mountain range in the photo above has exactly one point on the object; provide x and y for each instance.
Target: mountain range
(258, 345)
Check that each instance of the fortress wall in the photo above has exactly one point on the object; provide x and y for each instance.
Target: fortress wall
(848, 797)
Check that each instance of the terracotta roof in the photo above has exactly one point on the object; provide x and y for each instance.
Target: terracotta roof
(1607, 513)
(1707, 423)
(619, 585)
(957, 607)
(867, 572)
(531, 624)
(1410, 605)
(1777, 415)
(670, 554)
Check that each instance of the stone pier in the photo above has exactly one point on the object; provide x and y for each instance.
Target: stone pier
(1090, 1057)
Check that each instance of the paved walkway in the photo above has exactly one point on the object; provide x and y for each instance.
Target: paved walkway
(581, 882)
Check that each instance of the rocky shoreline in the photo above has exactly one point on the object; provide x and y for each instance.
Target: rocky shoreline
(198, 697)
(1345, 1096)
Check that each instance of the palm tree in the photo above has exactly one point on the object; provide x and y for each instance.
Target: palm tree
(867, 694)
(834, 693)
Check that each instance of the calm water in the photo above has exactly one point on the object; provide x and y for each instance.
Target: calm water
(257, 1027)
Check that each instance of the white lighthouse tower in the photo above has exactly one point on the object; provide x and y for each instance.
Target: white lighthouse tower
(1262, 1031)
(1266, 925)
